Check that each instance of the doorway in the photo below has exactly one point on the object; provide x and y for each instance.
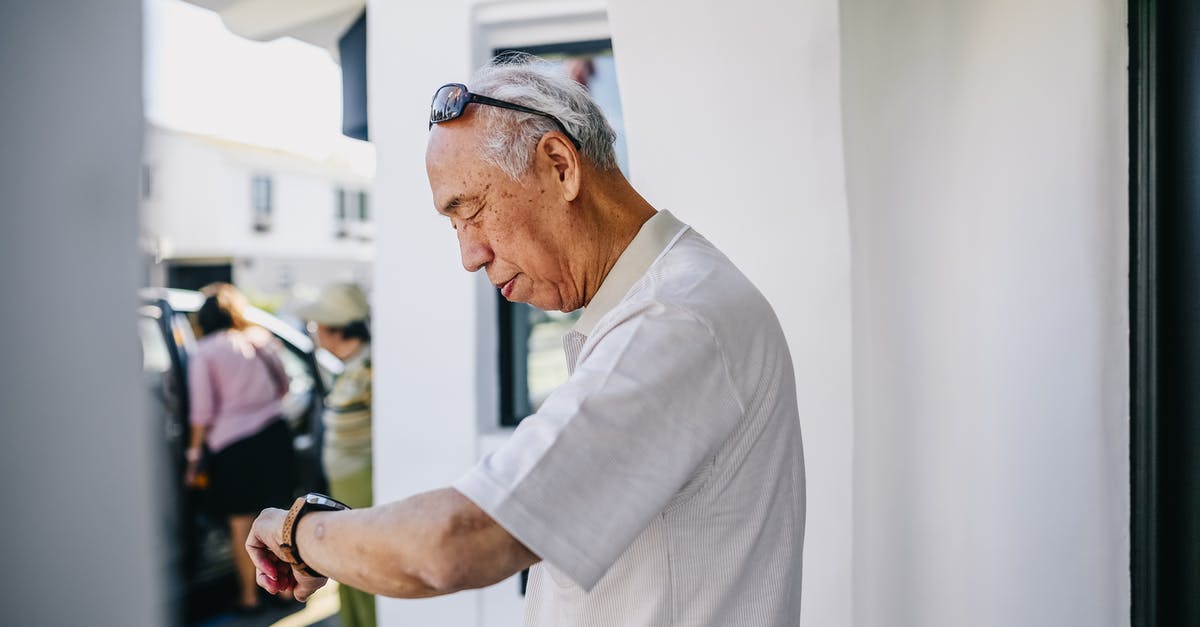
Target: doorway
(1164, 92)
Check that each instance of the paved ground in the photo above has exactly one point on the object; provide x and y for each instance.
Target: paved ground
(320, 611)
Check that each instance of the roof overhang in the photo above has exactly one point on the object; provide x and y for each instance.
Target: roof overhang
(318, 22)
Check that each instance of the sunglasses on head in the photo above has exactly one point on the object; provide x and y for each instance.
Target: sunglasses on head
(451, 100)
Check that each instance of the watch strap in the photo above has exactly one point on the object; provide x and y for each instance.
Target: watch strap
(287, 546)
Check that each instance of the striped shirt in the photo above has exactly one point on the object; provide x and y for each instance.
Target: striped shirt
(347, 418)
(663, 483)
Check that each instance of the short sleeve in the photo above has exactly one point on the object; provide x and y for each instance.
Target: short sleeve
(649, 402)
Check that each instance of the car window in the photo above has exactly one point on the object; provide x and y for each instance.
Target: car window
(156, 357)
(300, 384)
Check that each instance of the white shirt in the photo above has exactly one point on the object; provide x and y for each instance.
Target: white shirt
(663, 483)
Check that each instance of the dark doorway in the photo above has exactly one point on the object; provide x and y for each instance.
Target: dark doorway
(187, 276)
(1164, 92)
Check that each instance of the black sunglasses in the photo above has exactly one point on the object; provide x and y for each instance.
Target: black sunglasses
(451, 99)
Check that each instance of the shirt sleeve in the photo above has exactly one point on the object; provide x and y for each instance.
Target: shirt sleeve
(578, 481)
(201, 392)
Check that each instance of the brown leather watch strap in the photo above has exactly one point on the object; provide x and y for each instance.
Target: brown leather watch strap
(287, 546)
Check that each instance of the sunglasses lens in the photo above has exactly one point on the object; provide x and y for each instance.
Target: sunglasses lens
(448, 103)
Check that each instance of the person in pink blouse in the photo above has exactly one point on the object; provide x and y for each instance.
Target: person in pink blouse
(237, 383)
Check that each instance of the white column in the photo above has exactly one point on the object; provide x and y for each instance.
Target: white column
(82, 521)
(428, 366)
(986, 167)
(733, 116)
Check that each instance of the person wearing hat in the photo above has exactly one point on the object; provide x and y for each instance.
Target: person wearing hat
(341, 314)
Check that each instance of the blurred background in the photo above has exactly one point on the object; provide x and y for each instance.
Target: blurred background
(977, 221)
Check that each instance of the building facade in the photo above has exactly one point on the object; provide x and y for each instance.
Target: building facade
(271, 221)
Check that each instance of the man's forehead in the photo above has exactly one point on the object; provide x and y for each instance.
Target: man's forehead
(454, 154)
(457, 173)
(460, 134)
(444, 144)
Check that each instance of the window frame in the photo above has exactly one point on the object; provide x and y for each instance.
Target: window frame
(262, 201)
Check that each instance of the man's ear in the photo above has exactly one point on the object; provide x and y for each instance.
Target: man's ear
(558, 158)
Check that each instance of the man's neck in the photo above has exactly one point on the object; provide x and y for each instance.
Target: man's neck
(620, 213)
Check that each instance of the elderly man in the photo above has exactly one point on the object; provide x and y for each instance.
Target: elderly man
(663, 483)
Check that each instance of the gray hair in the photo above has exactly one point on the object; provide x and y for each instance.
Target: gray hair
(512, 136)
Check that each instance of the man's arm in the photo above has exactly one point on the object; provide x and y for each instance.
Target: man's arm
(430, 544)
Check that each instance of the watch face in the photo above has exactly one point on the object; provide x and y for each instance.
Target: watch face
(321, 501)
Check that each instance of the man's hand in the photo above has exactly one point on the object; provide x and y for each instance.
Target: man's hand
(272, 573)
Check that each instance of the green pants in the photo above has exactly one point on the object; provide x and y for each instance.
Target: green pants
(357, 607)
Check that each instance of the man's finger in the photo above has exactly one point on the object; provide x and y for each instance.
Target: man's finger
(287, 579)
(305, 586)
(264, 561)
(266, 583)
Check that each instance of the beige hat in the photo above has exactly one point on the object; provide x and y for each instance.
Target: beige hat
(338, 305)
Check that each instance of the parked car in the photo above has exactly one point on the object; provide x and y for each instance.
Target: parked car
(198, 543)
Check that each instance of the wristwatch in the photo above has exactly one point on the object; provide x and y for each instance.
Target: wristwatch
(311, 502)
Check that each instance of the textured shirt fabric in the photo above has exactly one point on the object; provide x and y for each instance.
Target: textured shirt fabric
(235, 383)
(663, 483)
(347, 418)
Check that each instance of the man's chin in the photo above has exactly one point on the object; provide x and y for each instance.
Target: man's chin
(534, 302)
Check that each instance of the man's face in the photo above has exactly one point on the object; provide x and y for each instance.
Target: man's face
(325, 338)
(514, 230)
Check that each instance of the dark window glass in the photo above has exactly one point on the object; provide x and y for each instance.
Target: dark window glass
(260, 196)
(339, 213)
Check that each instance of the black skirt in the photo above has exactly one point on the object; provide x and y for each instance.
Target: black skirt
(253, 473)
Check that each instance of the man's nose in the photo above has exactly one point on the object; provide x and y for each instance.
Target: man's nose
(474, 250)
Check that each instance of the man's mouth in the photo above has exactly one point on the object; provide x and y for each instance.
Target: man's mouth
(507, 288)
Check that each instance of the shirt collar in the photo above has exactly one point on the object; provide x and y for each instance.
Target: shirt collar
(655, 236)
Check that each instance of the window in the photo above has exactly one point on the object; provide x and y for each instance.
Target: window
(339, 213)
(352, 215)
(532, 363)
(156, 357)
(591, 64)
(301, 386)
(260, 198)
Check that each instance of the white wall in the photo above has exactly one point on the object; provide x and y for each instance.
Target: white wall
(187, 200)
(428, 369)
(733, 116)
(201, 200)
(82, 530)
(952, 289)
(986, 162)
